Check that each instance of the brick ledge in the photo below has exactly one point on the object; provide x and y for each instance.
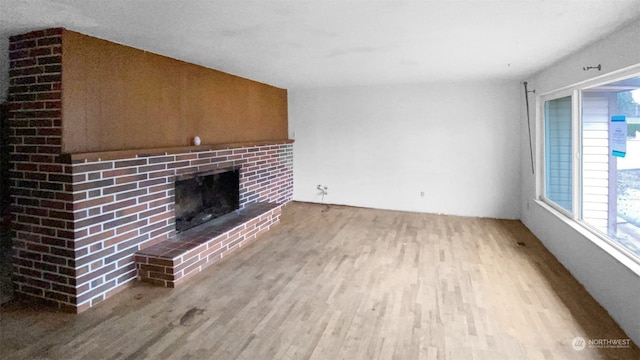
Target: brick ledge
(126, 154)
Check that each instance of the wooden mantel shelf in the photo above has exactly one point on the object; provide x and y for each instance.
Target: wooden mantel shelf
(123, 154)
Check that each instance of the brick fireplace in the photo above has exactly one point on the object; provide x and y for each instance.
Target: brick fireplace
(81, 221)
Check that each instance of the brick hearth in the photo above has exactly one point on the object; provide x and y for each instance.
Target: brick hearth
(79, 219)
(171, 262)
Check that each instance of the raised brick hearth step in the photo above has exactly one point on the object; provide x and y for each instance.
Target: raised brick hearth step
(171, 262)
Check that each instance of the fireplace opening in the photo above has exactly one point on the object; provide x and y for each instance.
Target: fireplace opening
(204, 197)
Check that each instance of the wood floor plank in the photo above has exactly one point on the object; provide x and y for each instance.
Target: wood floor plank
(342, 283)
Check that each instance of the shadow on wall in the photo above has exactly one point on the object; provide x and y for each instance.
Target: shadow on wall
(4, 67)
(6, 288)
(5, 215)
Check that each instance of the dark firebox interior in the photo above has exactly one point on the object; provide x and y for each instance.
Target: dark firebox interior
(205, 197)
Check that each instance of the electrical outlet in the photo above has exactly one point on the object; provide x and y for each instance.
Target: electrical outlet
(422, 193)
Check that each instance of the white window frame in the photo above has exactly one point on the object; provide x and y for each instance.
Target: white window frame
(575, 92)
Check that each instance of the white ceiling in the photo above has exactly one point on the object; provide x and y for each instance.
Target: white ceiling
(310, 43)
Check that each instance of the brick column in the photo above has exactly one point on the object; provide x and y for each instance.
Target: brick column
(40, 180)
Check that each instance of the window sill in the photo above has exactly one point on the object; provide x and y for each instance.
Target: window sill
(603, 243)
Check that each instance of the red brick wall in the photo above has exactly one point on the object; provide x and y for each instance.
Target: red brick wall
(44, 258)
(78, 223)
(125, 205)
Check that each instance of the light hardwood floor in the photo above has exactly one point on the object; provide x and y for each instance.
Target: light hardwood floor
(347, 283)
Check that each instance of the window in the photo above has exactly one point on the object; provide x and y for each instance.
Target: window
(606, 139)
(558, 152)
(610, 177)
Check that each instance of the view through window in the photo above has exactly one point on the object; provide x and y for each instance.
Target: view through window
(558, 164)
(611, 167)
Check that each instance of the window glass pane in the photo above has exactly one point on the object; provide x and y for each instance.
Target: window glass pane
(611, 184)
(558, 152)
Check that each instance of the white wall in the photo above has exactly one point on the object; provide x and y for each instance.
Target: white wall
(614, 284)
(381, 146)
